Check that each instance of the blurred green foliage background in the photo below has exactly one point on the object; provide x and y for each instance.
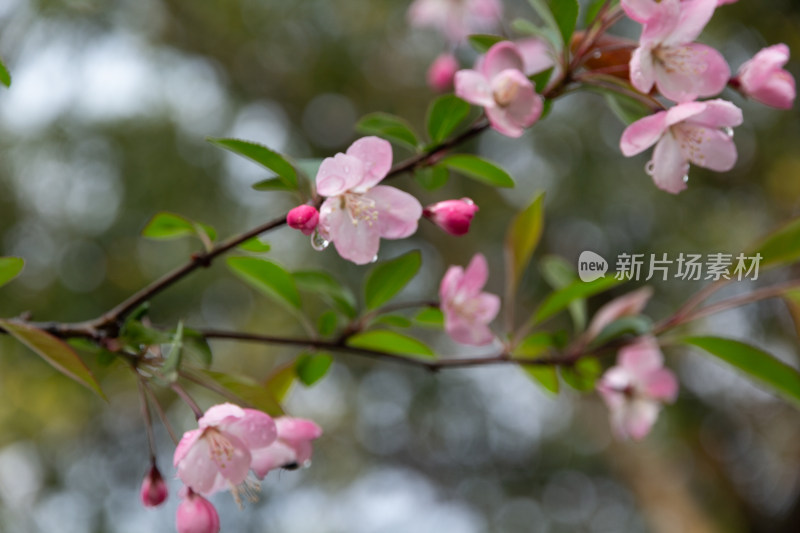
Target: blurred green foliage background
(104, 126)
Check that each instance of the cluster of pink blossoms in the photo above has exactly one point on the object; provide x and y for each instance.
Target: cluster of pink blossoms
(682, 70)
(228, 444)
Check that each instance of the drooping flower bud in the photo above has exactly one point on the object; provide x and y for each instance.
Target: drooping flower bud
(303, 217)
(154, 490)
(764, 79)
(196, 514)
(441, 73)
(453, 216)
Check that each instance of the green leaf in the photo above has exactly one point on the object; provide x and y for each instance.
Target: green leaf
(780, 247)
(431, 317)
(533, 346)
(262, 155)
(10, 267)
(196, 345)
(540, 79)
(5, 77)
(268, 277)
(273, 184)
(560, 299)
(546, 376)
(388, 278)
(310, 368)
(627, 109)
(565, 13)
(55, 351)
(444, 116)
(636, 325)
(396, 321)
(173, 360)
(558, 273)
(327, 323)
(521, 240)
(481, 42)
(250, 391)
(166, 225)
(255, 245)
(390, 342)
(478, 168)
(390, 127)
(779, 376)
(583, 375)
(546, 14)
(792, 300)
(432, 178)
(594, 9)
(280, 381)
(325, 285)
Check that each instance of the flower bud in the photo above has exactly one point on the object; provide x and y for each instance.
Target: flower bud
(154, 490)
(196, 514)
(441, 73)
(303, 217)
(764, 79)
(453, 216)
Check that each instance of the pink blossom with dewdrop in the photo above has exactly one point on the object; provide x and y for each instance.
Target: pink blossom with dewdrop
(456, 19)
(636, 388)
(764, 79)
(196, 514)
(667, 57)
(219, 454)
(500, 86)
(292, 449)
(358, 212)
(467, 309)
(696, 132)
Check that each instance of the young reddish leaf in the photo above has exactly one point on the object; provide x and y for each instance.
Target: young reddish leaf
(55, 351)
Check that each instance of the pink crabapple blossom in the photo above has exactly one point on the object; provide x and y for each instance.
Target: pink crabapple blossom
(635, 389)
(456, 19)
(358, 212)
(196, 514)
(304, 218)
(697, 132)
(292, 448)
(762, 78)
(467, 309)
(453, 216)
(441, 72)
(228, 443)
(667, 57)
(154, 490)
(500, 86)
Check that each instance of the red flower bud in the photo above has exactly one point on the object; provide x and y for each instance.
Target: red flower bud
(453, 216)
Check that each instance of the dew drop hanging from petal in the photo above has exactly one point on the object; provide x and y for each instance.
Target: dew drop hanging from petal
(318, 242)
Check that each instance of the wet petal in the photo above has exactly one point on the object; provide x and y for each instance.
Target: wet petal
(706, 147)
(694, 15)
(376, 155)
(355, 240)
(339, 174)
(216, 415)
(669, 166)
(197, 470)
(273, 456)
(290, 428)
(690, 71)
(398, 211)
(643, 134)
(642, 69)
(717, 114)
(255, 429)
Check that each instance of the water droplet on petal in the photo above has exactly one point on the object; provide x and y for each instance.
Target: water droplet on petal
(686, 178)
(650, 168)
(318, 242)
(374, 258)
(468, 201)
(728, 131)
(346, 168)
(597, 54)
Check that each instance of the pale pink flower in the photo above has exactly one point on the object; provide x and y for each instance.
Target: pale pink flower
(453, 216)
(441, 72)
(626, 305)
(154, 490)
(196, 514)
(467, 310)
(763, 79)
(456, 19)
(358, 211)
(537, 55)
(697, 132)
(636, 388)
(499, 85)
(304, 218)
(667, 57)
(220, 453)
(292, 449)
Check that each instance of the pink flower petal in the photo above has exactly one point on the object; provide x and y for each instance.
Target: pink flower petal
(195, 514)
(290, 428)
(501, 56)
(185, 444)
(643, 134)
(639, 10)
(398, 211)
(468, 333)
(339, 174)
(684, 111)
(216, 415)
(661, 385)
(376, 155)
(705, 147)
(629, 304)
(536, 55)
(642, 69)
(450, 284)
(669, 166)
(473, 87)
(197, 470)
(636, 419)
(484, 307)
(717, 114)
(255, 429)
(763, 64)
(690, 71)
(694, 15)
(641, 358)
(355, 240)
(475, 276)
